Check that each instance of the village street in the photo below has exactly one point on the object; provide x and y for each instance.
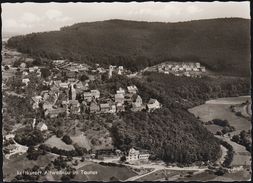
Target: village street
(241, 156)
(158, 167)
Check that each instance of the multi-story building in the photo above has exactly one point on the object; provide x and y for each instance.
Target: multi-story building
(134, 155)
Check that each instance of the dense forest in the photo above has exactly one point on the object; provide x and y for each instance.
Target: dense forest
(222, 45)
(172, 133)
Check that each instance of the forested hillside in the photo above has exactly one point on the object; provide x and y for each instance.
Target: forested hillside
(223, 45)
(172, 133)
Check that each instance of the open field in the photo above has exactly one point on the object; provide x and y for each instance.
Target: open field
(209, 176)
(213, 128)
(104, 173)
(100, 139)
(164, 174)
(242, 156)
(220, 108)
(20, 162)
(57, 142)
(81, 140)
(229, 100)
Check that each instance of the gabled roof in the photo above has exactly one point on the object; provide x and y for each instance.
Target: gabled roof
(138, 98)
(121, 90)
(152, 101)
(36, 98)
(40, 124)
(43, 92)
(132, 88)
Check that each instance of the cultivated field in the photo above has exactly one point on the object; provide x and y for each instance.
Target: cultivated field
(229, 100)
(220, 108)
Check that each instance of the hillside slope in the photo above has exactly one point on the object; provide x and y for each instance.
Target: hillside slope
(172, 133)
(223, 45)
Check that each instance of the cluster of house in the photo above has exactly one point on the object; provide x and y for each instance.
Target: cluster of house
(25, 72)
(12, 55)
(75, 98)
(188, 69)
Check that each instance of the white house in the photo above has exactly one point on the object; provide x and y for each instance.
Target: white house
(31, 69)
(195, 69)
(120, 91)
(119, 98)
(113, 108)
(36, 100)
(26, 81)
(64, 85)
(144, 155)
(23, 65)
(132, 89)
(134, 155)
(25, 73)
(203, 69)
(153, 104)
(95, 93)
(120, 70)
(42, 126)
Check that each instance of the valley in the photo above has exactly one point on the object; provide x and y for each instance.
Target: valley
(121, 116)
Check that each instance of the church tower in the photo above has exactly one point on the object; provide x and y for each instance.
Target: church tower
(110, 71)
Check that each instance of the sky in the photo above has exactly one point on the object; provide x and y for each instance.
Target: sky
(38, 17)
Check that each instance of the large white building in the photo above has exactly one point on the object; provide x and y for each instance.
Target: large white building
(134, 155)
